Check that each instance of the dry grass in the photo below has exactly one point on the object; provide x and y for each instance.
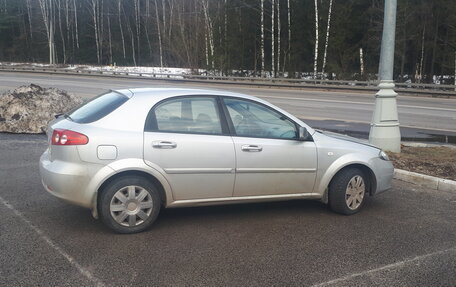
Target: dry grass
(434, 161)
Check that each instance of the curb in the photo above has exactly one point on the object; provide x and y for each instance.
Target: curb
(425, 180)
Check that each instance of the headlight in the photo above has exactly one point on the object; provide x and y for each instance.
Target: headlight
(383, 155)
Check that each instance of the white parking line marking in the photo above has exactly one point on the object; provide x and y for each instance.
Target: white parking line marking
(386, 267)
(51, 243)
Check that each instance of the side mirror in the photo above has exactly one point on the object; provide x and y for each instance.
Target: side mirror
(303, 134)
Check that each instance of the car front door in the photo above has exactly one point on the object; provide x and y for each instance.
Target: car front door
(187, 140)
(270, 159)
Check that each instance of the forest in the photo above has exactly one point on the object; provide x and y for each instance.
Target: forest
(275, 38)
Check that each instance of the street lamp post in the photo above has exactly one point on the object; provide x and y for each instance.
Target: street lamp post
(384, 131)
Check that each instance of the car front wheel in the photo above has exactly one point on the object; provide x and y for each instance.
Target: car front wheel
(347, 191)
(129, 204)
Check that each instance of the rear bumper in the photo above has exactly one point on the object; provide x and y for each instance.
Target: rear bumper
(67, 180)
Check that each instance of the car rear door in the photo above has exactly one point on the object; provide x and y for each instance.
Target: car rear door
(187, 140)
(270, 160)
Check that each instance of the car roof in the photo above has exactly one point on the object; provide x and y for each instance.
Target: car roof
(171, 92)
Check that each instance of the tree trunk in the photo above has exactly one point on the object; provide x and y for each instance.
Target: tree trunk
(420, 76)
(46, 7)
(76, 23)
(361, 61)
(29, 14)
(59, 7)
(159, 34)
(289, 36)
(278, 36)
(138, 29)
(316, 40)
(273, 38)
(434, 47)
(110, 39)
(327, 39)
(209, 31)
(262, 37)
(95, 8)
(121, 29)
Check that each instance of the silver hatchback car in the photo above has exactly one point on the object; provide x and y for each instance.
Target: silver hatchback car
(128, 153)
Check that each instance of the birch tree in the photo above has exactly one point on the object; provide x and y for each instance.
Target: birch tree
(29, 14)
(316, 40)
(262, 37)
(121, 29)
(278, 36)
(59, 8)
(272, 38)
(47, 11)
(209, 31)
(327, 39)
(138, 28)
(361, 61)
(289, 33)
(159, 33)
(96, 26)
(76, 23)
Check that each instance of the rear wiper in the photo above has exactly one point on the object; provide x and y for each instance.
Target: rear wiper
(67, 116)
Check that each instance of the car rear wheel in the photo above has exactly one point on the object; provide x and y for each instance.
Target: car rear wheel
(129, 204)
(347, 191)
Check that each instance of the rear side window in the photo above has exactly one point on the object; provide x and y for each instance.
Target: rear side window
(193, 115)
(97, 108)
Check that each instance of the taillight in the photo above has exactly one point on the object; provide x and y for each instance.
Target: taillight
(67, 137)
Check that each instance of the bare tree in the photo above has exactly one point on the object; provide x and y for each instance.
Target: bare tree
(273, 38)
(278, 36)
(76, 23)
(29, 14)
(109, 37)
(289, 34)
(138, 28)
(316, 40)
(121, 29)
(262, 37)
(59, 8)
(159, 33)
(420, 73)
(209, 31)
(47, 10)
(361, 61)
(327, 38)
(95, 17)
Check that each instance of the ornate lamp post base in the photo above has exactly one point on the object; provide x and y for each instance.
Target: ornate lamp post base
(384, 131)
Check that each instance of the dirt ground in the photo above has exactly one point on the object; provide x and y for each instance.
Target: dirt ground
(434, 161)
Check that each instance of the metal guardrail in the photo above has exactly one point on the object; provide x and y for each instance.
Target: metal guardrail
(409, 88)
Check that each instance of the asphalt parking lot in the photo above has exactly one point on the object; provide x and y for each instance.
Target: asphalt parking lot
(405, 237)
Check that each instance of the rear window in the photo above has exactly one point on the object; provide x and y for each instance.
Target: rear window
(97, 108)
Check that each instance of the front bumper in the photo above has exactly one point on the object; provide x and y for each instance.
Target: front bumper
(384, 172)
(67, 180)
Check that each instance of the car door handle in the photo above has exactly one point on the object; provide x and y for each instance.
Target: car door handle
(251, 148)
(164, 144)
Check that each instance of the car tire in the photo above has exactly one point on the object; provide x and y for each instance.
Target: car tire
(347, 191)
(129, 204)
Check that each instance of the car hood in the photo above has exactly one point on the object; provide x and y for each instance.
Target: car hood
(346, 138)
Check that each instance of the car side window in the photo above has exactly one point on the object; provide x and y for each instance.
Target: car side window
(196, 115)
(255, 120)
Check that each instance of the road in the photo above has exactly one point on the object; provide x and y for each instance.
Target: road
(419, 117)
(404, 237)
